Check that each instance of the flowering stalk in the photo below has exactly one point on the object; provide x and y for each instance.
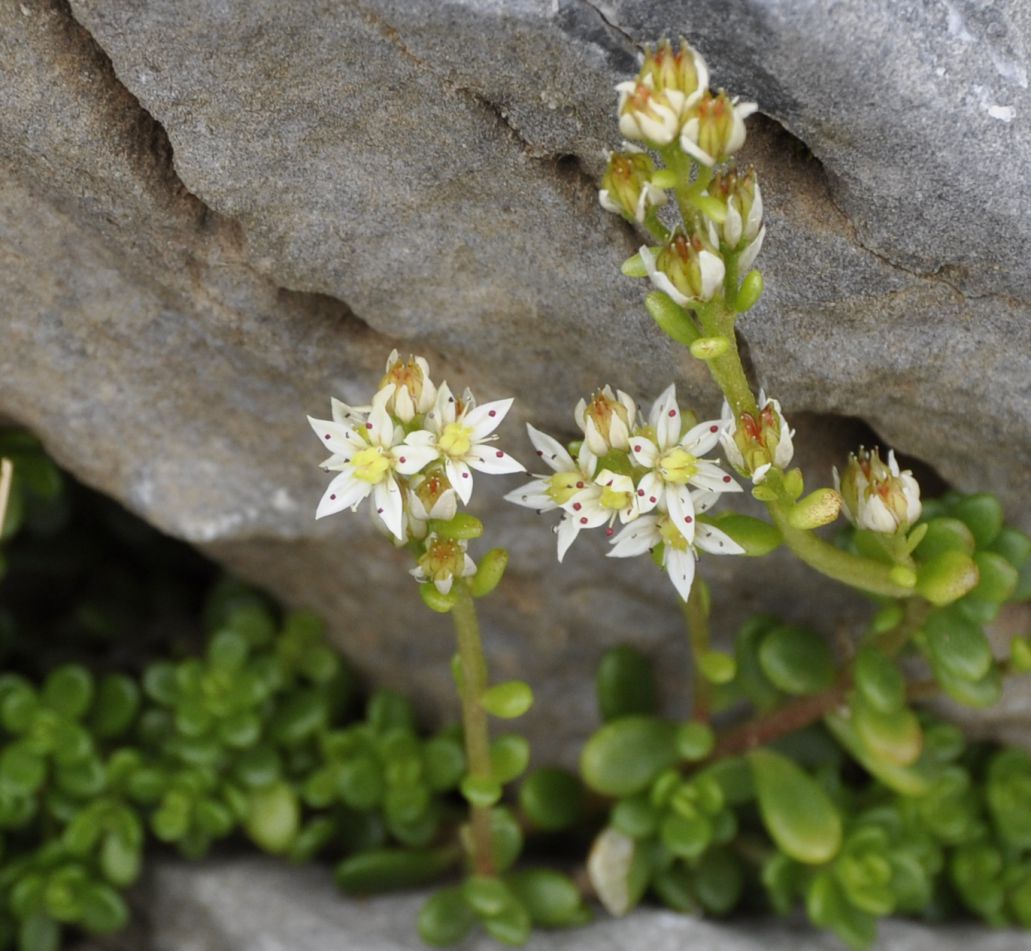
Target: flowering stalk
(473, 682)
(6, 475)
(696, 617)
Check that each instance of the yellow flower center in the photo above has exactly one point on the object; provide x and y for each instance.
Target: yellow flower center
(370, 465)
(564, 485)
(614, 499)
(456, 440)
(677, 466)
(671, 535)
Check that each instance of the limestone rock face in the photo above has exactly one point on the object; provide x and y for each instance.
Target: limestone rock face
(215, 215)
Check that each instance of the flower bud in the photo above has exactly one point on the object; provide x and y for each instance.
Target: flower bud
(627, 188)
(648, 114)
(742, 230)
(878, 497)
(715, 127)
(754, 443)
(606, 420)
(683, 70)
(414, 393)
(688, 267)
(443, 560)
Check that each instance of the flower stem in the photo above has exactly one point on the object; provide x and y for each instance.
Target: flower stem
(862, 573)
(717, 320)
(696, 618)
(473, 665)
(6, 474)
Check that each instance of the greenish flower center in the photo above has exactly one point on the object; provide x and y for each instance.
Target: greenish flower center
(677, 466)
(370, 464)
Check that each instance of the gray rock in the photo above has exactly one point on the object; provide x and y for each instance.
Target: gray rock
(213, 216)
(259, 905)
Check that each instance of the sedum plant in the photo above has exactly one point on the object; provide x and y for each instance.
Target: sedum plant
(759, 785)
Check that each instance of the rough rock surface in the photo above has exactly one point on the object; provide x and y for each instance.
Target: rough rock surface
(213, 215)
(259, 905)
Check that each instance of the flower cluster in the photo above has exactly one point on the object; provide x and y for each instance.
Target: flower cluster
(669, 108)
(413, 451)
(878, 497)
(647, 472)
(754, 443)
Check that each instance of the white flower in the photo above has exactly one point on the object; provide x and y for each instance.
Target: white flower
(759, 442)
(606, 420)
(443, 560)
(462, 432)
(716, 128)
(600, 502)
(429, 496)
(647, 114)
(674, 463)
(878, 497)
(414, 392)
(687, 268)
(679, 553)
(370, 454)
(545, 493)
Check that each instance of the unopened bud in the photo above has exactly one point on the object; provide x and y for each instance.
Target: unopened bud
(742, 229)
(442, 561)
(715, 127)
(627, 187)
(878, 497)
(753, 443)
(688, 267)
(414, 393)
(683, 69)
(647, 114)
(606, 420)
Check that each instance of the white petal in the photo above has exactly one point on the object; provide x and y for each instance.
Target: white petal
(379, 425)
(712, 270)
(688, 135)
(493, 461)
(461, 479)
(580, 413)
(649, 490)
(659, 278)
(342, 413)
(607, 203)
(755, 213)
(403, 405)
(703, 501)
(338, 438)
(667, 420)
(698, 440)
(594, 439)
(567, 531)
(750, 253)
(443, 411)
(713, 479)
(709, 538)
(445, 507)
(483, 420)
(343, 492)
(533, 495)
(387, 497)
(655, 413)
(443, 585)
(639, 536)
(551, 450)
(586, 461)
(469, 567)
(619, 432)
(681, 510)
(410, 459)
(644, 451)
(680, 568)
(732, 226)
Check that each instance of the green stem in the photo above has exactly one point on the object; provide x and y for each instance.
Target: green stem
(727, 370)
(6, 474)
(893, 640)
(474, 719)
(697, 620)
(862, 573)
